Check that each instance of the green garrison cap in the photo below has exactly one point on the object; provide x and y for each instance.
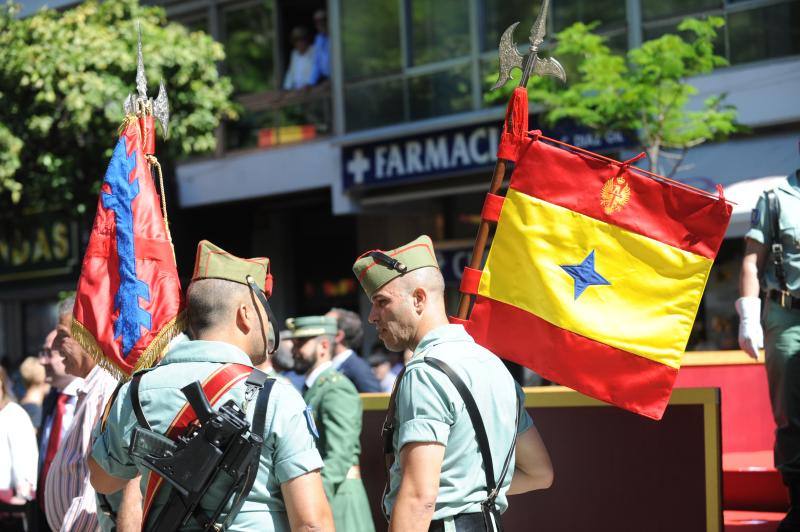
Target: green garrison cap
(310, 326)
(375, 268)
(213, 262)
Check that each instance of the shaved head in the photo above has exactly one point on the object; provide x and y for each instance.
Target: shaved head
(212, 304)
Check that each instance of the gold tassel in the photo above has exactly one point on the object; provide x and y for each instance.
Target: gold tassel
(87, 341)
(149, 356)
(155, 351)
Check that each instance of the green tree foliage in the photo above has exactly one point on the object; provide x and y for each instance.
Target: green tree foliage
(63, 78)
(646, 92)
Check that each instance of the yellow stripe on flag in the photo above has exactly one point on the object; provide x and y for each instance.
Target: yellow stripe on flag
(649, 307)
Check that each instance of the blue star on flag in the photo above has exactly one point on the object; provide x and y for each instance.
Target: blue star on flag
(584, 274)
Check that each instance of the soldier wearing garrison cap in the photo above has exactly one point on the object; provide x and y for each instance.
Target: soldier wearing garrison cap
(772, 263)
(232, 328)
(334, 413)
(451, 391)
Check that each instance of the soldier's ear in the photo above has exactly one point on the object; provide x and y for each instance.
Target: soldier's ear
(420, 299)
(244, 318)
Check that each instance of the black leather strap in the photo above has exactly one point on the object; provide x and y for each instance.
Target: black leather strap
(259, 416)
(137, 406)
(387, 433)
(492, 488)
(259, 422)
(270, 316)
(774, 213)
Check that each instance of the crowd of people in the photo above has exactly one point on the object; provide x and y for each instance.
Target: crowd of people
(67, 460)
(45, 433)
(45, 437)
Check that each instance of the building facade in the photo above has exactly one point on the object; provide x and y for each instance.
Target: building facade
(400, 138)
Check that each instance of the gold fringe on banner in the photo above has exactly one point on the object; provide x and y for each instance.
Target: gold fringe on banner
(149, 356)
(155, 350)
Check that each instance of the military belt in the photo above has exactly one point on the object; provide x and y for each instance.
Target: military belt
(784, 299)
(471, 522)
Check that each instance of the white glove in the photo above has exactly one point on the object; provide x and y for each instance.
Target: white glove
(751, 335)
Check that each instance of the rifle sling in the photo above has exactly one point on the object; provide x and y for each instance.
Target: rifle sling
(774, 213)
(489, 509)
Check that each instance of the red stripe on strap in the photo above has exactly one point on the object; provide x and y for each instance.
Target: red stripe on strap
(656, 209)
(590, 367)
(216, 385)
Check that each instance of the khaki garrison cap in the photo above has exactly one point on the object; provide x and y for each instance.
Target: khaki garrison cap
(213, 262)
(375, 268)
(310, 326)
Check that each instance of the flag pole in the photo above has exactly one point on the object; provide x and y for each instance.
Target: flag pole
(515, 128)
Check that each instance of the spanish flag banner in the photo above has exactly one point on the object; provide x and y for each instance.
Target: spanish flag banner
(595, 273)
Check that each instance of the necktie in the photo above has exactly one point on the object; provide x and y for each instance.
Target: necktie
(53, 442)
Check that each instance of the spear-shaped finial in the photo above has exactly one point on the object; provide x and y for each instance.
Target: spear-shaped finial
(141, 79)
(141, 104)
(531, 63)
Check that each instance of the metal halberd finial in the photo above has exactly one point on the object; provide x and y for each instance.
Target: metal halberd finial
(141, 104)
(530, 63)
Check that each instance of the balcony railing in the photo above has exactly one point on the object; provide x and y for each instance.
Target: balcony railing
(275, 118)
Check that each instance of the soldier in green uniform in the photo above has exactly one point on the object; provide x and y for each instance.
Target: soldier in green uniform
(228, 325)
(772, 255)
(334, 406)
(452, 391)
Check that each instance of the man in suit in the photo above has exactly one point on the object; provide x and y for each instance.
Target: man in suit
(58, 409)
(345, 359)
(334, 414)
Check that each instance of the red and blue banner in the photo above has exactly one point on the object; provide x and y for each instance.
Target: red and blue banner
(129, 298)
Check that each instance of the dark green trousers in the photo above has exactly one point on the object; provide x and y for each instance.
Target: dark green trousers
(782, 342)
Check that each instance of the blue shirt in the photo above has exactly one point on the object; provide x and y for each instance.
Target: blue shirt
(322, 59)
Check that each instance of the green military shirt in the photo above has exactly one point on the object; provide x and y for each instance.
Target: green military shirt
(337, 411)
(788, 196)
(289, 449)
(429, 409)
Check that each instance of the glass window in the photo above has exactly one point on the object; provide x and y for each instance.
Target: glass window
(439, 29)
(610, 13)
(654, 32)
(764, 33)
(374, 104)
(370, 38)
(500, 14)
(249, 45)
(656, 9)
(440, 93)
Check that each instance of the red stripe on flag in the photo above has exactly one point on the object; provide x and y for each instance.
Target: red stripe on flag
(590, 367)
(676, 216)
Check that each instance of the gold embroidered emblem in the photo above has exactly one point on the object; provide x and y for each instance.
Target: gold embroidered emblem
(614, 195)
